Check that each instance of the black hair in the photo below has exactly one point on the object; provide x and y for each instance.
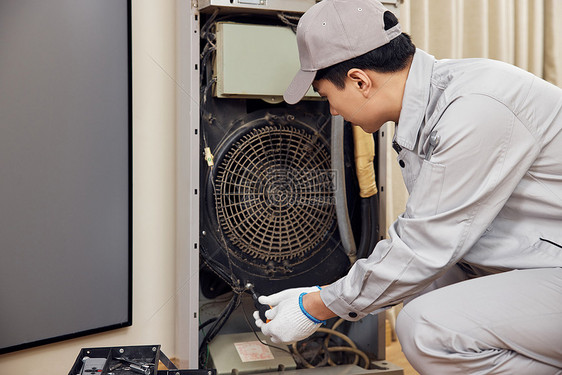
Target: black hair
(391, 57)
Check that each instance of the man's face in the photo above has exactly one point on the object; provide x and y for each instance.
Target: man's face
(350, 104)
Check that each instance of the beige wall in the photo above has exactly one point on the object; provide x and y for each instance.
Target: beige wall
(153, 23)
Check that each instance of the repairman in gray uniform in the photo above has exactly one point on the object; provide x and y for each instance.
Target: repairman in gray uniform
(478, 250)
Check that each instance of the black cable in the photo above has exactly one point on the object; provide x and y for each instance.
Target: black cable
(205, 34)
(256, 334)
(217, 267)
(207, 322)
(216, 327)
(313, 352)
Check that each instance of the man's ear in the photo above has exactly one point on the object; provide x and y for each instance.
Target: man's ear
(361, 80)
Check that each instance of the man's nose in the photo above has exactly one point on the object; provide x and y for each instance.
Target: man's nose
(333, 112)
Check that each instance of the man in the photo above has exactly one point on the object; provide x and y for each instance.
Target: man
(480, 146)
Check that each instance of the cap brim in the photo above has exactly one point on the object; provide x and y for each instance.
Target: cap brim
(299, 86)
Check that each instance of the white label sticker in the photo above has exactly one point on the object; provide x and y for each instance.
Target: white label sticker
(253, 351)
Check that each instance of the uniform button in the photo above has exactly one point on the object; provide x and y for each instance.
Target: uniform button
(353, 314)
(402, 164)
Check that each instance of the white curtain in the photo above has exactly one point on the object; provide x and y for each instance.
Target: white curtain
(526, 33)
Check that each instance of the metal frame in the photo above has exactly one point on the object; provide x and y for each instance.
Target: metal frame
(187, 183)
(381, 181)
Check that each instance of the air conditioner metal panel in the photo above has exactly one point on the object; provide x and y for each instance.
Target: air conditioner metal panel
(255, 61)
(242, 353)
(297, 6)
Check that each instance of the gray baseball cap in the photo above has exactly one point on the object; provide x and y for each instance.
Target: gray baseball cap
(333, 31)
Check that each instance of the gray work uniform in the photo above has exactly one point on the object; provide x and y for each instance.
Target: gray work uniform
(485, 198)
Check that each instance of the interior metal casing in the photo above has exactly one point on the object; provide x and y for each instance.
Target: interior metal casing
(243, 354)
(255, 61)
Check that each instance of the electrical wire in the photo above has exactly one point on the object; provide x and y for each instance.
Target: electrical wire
(356, 351)
(207, 322)
(215, 328)
(256, 334)
(289, 20)
(308, 350)
(228, 276)
(352, 348)
(324, 344)
(342, 336)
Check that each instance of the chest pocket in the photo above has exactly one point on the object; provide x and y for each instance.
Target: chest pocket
(410, 165)
(426, 191)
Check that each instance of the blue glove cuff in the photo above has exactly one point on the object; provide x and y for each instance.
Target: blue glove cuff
(313, 319)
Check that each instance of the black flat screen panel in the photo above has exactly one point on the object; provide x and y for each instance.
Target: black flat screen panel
(65, 169)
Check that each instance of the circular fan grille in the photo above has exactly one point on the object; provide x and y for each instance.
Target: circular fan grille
(273, 195)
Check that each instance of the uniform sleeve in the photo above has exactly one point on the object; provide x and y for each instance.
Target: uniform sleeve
(483, 153)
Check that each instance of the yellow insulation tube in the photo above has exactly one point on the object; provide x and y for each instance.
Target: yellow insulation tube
(364, 145)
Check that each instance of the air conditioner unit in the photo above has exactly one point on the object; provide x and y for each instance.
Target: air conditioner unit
(263, 207)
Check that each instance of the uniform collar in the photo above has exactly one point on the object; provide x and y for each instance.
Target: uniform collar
(415, 100)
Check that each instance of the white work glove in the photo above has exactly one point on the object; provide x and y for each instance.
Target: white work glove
(287, 320)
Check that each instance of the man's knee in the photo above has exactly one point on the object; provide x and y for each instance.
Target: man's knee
(423, 339)
(407, 326)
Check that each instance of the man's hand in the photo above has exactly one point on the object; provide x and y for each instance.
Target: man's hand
(288, 319)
